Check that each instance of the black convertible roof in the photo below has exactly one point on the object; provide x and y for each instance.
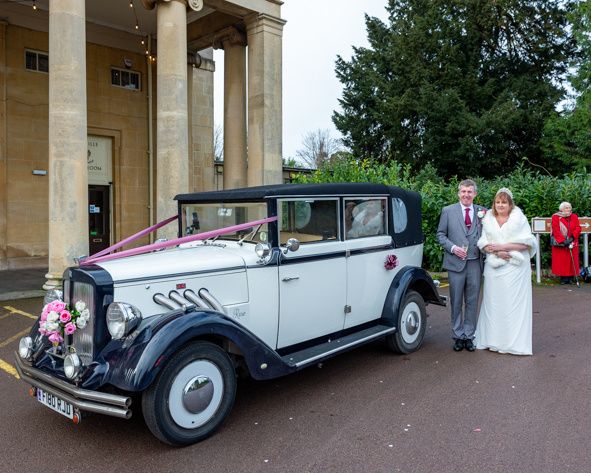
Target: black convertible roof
(285, 190)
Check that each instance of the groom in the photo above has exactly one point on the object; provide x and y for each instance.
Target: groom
(458, 231)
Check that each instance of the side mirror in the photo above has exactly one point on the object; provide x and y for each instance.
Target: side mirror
(293, 244)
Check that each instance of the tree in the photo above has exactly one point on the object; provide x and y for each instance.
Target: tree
(317, 148)
(218, 144)
(567, 134)
(464, 84)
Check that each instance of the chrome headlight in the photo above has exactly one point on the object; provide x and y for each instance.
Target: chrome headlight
(122, 318)
(25, 348)
(72, 365)
(53, 295)
(262, 250)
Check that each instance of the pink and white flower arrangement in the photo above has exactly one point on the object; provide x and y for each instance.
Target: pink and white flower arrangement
(481, 213)
(58, 320)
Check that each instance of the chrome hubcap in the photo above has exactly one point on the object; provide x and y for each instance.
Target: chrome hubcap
(410, 322)
(197, 394)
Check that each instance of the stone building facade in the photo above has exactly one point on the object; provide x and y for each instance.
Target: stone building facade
(83, 108)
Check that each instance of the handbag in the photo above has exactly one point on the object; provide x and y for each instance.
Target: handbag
(553, 242)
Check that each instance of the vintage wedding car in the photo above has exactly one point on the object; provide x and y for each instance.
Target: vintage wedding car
(266, 280)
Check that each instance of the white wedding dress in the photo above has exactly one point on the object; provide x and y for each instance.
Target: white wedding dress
(505, 319)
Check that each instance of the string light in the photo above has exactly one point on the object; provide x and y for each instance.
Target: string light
(144, 39)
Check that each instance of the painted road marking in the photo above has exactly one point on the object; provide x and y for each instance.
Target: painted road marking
(9, 369)
(14, 337)
(20, 312)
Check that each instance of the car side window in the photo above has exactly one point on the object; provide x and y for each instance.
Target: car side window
(400, 215)
(364, 217)
(308, 220)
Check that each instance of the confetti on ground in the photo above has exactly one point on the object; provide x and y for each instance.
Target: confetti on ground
(291, 418)
(256, 423)
(266, 461)
(381, 381)
(402, 404)
(477, 382)
(390, 445)
(406, 430)
(408, 425)
(512, 387)
(477, 429)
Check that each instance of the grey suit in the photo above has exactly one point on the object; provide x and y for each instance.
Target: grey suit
(464, 275)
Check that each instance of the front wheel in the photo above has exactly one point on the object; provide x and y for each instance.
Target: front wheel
(411, 324)
(192, 395)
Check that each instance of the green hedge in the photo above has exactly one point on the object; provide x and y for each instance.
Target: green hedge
(537, 195)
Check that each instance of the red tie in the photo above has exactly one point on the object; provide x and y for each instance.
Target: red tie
(467, 219)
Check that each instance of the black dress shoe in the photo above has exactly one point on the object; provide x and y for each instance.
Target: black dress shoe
(459, 345)
(469, 344)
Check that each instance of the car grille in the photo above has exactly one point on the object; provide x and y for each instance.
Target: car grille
(82, 340)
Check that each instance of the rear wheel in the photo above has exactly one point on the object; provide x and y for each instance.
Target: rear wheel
(410, 324)
(192, 395)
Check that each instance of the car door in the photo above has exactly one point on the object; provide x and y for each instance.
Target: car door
(367, 243)
(312, 279)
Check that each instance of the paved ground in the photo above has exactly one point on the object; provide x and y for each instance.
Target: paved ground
(365, 411)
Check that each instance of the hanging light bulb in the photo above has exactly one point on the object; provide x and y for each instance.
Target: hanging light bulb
(34, 5)
(130, 4)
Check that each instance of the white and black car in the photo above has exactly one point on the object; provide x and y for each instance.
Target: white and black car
(298, 274)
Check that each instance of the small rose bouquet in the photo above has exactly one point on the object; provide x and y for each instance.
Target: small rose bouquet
(481, 213)
(59, 320)
(391, 262)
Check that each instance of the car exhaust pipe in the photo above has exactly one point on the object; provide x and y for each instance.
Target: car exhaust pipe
(195, 299)
(162, 300)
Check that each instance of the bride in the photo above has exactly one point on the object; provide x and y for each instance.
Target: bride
(505, 320)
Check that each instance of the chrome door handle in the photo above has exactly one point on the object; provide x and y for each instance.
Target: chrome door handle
(290, 279)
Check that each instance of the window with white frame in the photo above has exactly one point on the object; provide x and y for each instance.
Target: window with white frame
(36, 61)
(126, 79)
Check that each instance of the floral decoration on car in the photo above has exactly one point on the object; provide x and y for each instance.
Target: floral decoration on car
(58, 320)
(481, 213)
(391, 262)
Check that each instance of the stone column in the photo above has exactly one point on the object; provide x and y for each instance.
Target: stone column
(68, 146)
(264, 37)
(234, 44)
(3, 192)
(172, 133)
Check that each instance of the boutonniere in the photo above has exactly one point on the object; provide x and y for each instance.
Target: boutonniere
(481, 213)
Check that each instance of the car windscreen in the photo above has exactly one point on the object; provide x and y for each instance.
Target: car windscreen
(206, 217)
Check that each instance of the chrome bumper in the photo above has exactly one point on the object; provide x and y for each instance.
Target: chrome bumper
(83, 399)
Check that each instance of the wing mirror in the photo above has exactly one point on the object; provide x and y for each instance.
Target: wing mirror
(293, 244)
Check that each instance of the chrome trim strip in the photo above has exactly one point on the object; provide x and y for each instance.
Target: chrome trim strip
(348, 345)
(177, 275)
(109, 404)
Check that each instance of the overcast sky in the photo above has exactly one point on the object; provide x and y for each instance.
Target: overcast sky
(316, 32)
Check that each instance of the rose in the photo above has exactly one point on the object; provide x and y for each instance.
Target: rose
(481, 213)
(85, 314)
(53, 316)
(57, 306)
(391, 262)
(65, 317)
(70, 328)
(55, 338)
(81, 322)
(80, 306)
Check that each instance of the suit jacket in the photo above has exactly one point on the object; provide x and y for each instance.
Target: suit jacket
(452, 230)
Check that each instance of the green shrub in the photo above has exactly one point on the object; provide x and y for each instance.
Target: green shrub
(537, 195)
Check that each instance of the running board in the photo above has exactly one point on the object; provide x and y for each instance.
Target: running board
(299, 359)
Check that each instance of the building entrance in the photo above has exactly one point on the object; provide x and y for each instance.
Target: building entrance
(100, 178)
(99, 218)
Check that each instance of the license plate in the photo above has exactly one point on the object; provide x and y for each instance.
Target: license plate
(55, 403)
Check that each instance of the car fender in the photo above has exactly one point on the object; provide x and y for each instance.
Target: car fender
(135, 363)
(409, 278)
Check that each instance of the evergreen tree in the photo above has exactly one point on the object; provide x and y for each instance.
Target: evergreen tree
(464, 84)
(567, 134)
